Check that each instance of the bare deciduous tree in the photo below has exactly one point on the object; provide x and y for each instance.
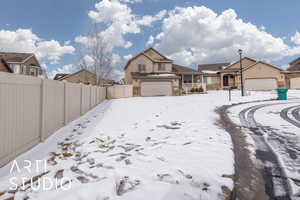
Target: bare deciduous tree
(97, 50)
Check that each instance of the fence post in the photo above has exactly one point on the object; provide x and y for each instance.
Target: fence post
(81, 96)
(42, 110)
(65, 103)
(90, 97)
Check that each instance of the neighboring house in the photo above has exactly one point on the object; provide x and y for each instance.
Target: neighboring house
(257, 75)
(292, 74)
(21, 63)
(4, 67)
(211, 74)
(82, 76)
(153, 74)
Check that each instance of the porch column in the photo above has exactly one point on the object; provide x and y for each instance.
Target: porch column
(192, 80)
(221, 81)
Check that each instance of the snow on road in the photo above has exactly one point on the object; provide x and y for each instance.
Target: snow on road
(269, 133)
(137, 148)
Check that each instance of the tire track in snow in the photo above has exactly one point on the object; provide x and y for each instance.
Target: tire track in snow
(295, 112)
(273, 172)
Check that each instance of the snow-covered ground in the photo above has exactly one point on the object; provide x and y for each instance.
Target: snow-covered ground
(137, 148)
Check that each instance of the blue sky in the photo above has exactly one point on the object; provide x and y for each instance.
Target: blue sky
(57, 23)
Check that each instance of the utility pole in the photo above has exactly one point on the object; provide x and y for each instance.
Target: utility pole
(240, 51)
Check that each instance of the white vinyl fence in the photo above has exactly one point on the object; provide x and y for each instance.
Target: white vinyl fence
(31, 109)
(119, 91)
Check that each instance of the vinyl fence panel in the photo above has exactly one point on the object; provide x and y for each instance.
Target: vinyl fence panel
(72, 101)
(20, 114)
(53, 107)
(85, 98)
(32, 109)
(120, 91)
(93, 96)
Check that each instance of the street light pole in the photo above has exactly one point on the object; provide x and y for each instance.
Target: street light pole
(241, 70)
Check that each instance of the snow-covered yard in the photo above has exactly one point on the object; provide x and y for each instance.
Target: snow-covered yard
(137, 148)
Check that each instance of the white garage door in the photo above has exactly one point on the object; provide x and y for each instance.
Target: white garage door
(260, 84)
(149, 89)
(295, 83)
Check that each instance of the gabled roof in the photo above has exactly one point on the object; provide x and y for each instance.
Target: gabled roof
(11, 57)
(5, 64)
(59, 76)
(294, 68)
(239, 61)
(179, 68)
(262, 62)
(296, 61)
(69, 75)
(144, 54)
(212, 67)
(151, 48)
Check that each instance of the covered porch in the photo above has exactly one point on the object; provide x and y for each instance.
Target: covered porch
(192, 82)
(230, 80)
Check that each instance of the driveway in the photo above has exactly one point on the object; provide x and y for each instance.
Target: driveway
(272, 129)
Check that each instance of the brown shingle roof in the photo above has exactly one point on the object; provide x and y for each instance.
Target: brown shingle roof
(179, 68)
(295, 62)
(294, 68)
(15, 57)
(5, 64)
(59, 76)
(212, 67)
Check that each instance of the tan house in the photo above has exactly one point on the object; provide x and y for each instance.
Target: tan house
(211, 74)
(257, 75)
(82, 76)
(293, 74)
(21, 63)
(153, 74)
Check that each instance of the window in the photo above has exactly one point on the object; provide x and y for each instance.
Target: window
(25, 69)
(161, 67)
(142, 66)
(16, 68)
(208, 80)
(32, 71)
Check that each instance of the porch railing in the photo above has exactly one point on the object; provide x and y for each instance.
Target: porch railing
(187, 87)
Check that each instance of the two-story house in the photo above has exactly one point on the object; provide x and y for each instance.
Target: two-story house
(153, 74)
(21, 63)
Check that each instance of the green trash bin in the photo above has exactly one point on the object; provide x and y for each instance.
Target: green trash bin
(282, 93)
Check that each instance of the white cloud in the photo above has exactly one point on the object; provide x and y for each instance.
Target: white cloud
(52, 50)
(199, 35)
(296, 38)
(82, 40)
(66, 69)
(147, 20)
(25, 41)
(87, 61)
(117, 75)
(119, 20)
(150, 41)
(127, 57)
(131, 1)
(128, 44)
(116, 58)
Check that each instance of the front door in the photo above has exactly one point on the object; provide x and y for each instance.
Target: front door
(225, 81)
